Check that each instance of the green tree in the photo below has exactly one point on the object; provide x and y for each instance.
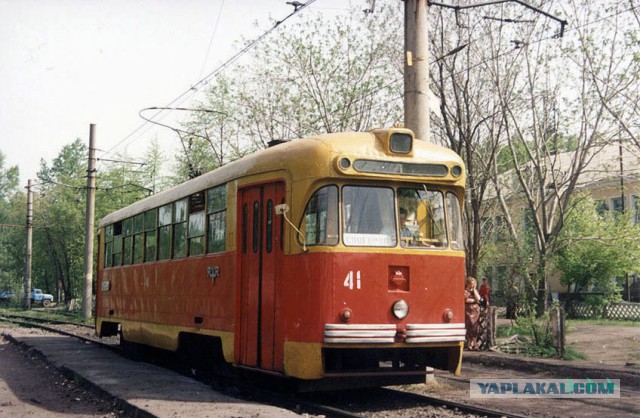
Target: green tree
(58, 236)
(593, 249)
(11, 236)
(8, 179)
(322, 74)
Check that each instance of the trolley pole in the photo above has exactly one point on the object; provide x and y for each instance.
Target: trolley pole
(87, 294)
(29, 226)
(416, 68)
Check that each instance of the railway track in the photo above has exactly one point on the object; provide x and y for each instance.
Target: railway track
(403, 401)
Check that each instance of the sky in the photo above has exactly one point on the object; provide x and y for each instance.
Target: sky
(66, 64)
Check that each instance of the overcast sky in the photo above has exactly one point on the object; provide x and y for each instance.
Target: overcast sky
(65, 64)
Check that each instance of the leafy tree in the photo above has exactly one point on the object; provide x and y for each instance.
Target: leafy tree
(323, 74)
(8, 179)
(58, 236)
(123, 181)
(469, 120)
(608, 34)
(594, 249)
(554, 98)
(152, 170)
(11, 236)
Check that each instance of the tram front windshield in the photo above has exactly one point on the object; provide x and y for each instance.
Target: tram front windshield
(415, 217)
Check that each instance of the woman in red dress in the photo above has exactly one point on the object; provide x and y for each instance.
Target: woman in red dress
(472, 312)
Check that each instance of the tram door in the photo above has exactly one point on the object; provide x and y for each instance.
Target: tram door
(259, 342)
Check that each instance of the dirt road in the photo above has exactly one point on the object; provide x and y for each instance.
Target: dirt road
(29, 387)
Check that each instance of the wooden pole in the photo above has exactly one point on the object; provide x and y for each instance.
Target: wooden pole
(29, 226)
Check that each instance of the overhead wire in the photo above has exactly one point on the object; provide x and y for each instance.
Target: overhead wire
(204, 81)
(213, 35)
(501, 55)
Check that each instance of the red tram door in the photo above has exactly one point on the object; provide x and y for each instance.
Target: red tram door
(259, 340)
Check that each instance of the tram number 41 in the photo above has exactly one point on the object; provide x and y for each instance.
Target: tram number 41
(349, 282)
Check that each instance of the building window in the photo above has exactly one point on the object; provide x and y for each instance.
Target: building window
(617, 204)
(635, 208)
(601, 207)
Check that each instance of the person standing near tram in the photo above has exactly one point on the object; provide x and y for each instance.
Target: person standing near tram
(484, 292)
(472, 313)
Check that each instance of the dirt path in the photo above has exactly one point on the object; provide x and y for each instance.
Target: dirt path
(606, 344)
(29, 387)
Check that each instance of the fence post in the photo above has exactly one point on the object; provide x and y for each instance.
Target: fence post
(493, 315)
(557, 323)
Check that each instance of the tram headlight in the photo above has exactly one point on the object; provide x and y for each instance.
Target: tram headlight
(456, 171)
(400, 309)
(447, 315)
(345, 315)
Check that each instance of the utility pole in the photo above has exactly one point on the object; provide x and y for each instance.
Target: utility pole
(87, 294)
(416, 68)
(416, 59)
(27, 275)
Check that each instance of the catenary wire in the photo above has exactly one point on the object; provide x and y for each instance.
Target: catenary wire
(202, 82)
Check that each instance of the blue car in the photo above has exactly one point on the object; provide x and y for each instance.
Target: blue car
(6, 295)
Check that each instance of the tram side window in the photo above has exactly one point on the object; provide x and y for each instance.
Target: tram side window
(127, 241)
(320, 220)
(216, 219)
(455, 222)
(369, 216)
(150, 244)
(164, 232)
(425, 218)
(180, 228)
(196, 224)
(117, 244)
(108, 245)
(138, 238)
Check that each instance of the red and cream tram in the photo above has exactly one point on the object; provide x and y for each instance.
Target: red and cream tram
(328, 258)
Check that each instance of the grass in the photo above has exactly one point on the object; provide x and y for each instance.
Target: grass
(571, 354)
(545, 350)
(516, 329)
(600, 321)
(52, 314)
(511, 330)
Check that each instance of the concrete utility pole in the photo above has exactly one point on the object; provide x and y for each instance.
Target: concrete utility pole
(416, 60)
(27, 275)
(416, 68)
(87, 294)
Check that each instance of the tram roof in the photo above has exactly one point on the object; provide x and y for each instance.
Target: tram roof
(312, 156)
